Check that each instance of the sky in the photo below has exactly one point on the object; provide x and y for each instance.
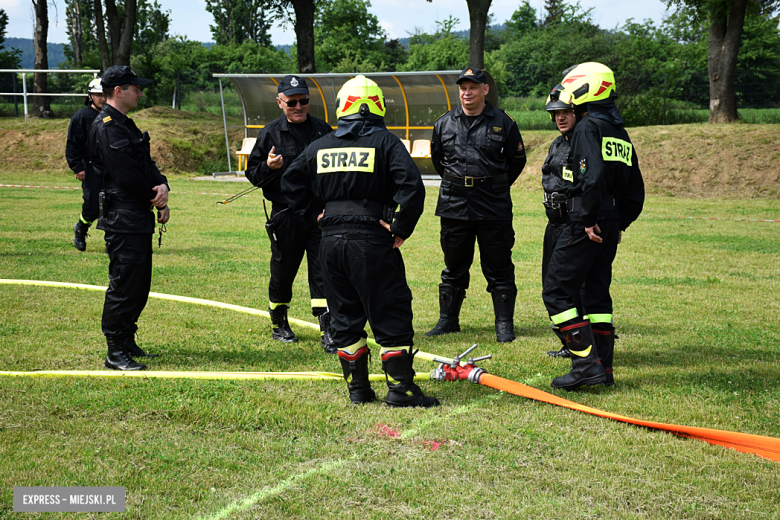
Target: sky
(399, 18)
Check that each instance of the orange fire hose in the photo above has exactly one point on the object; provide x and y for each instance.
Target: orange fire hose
(767, 447)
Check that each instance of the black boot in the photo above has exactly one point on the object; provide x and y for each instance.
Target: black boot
(564, 352)
(326, 336)
(117, 358)
(586, 368)
(80, 235)
(280, 327)
(604, 337)
(403, 392)
(355, 368)
(504, 308)
(450, 300)
(132, 348)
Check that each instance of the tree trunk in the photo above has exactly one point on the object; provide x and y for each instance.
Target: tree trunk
(723, 48)
(41, 105)
(125, 43)
(105, 55)
(478, 14)
(76, 31)
(114, 31)
(304, 33)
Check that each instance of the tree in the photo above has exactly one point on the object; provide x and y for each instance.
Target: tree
(151, 29)
(442, 50)
(41, 105)
(78, 19)
(534, 61)
(554, 10)
(302, 19)
(726, 20)
(478, 16)
(522, 20)
(237, 21)
(115, 45)
(346, 30)
(11, 58)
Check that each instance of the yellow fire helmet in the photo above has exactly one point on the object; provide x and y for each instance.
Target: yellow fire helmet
(95, 86)
(589, 82)
(558, 99)
(357, 93)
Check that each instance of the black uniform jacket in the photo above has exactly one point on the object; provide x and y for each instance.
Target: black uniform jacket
(77, 145)
(557, 174)
(605, 166)
(375, 168)
(120, 155)
(491, 146)
(277, 134)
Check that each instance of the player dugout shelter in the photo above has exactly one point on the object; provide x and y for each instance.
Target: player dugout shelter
(414, 100)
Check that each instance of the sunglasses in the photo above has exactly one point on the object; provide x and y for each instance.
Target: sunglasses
(294, 103)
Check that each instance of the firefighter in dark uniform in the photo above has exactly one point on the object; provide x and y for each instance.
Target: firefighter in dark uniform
(365, 191)
(558, 183)
(132, 185)
(607, 197)
(77, 155)
(478, 152)
(277, 146)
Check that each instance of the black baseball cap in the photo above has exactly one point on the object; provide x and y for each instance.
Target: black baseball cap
(472, 74)
(117, 75)
(291, 85)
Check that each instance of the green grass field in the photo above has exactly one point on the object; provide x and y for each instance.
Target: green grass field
(696, 309)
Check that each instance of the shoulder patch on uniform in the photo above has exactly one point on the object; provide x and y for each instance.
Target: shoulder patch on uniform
(444, 114)
(507, 115)
(107, 119)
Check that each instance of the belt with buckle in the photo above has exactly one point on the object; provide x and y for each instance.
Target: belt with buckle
(470, 182)
(575, 204)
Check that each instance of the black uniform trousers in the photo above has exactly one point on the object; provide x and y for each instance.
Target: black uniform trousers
(495, 239)
(90, 191)
(552, 234)
(365, 279)
(129, 281)
(575, 260)
(294, 238)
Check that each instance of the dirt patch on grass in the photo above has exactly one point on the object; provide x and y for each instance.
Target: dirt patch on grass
(697, 160)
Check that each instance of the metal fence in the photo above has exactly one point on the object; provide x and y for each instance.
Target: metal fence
(647, 99)
(10, 77)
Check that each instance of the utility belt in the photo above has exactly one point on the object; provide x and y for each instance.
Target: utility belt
(558, 205)
(470, 182)
(359, 208)
(575, 204)
(105, 203)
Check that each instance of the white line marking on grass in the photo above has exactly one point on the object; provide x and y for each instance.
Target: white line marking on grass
(426, 423)
(246, 503)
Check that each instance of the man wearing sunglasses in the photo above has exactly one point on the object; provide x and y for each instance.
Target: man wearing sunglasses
(277, 146)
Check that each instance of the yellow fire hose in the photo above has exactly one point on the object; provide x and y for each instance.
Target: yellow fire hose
(197, 301)
(151, 374)
(767, 447)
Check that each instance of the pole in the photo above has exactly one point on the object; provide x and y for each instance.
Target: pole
(24, 93)
(663, 118)
(178, 89)
(224, 123)
(16, 100)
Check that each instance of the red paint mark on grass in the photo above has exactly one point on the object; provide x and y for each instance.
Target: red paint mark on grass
(386, 431)
(434, 444)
